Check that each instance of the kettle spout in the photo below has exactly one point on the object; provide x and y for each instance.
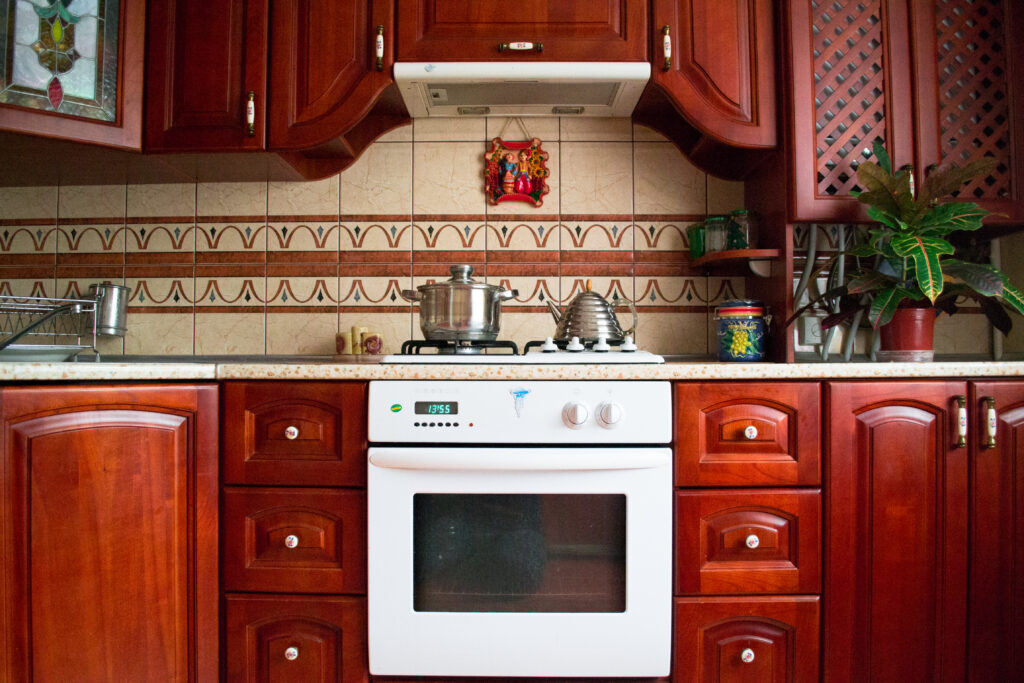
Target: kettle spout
(557, 314)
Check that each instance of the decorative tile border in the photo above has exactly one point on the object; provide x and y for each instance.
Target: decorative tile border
(170, 239)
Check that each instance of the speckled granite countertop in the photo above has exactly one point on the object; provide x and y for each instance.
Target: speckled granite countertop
(297, 368)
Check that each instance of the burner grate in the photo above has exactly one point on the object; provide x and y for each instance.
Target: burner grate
(413, 347)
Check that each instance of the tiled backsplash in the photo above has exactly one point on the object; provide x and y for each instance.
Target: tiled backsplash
(279, 268)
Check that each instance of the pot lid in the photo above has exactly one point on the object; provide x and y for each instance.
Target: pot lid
(461, 277)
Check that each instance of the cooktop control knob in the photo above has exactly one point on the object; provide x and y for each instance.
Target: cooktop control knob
(575, 415)
(609, 415)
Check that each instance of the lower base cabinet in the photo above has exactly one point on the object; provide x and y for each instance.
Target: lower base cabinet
(291, 638)
(749, 639)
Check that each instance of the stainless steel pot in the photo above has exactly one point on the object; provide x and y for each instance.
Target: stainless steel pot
(459, 308)
(590, 317)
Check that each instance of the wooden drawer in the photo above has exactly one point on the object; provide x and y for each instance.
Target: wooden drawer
(295, 433)
(294, 540)
(747, 434)
(748, 541)
(762, 639)
(295, 638)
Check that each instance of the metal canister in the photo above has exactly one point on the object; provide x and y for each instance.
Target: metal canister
(742, 330)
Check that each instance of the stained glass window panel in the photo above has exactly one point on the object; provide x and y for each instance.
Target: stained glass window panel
(60, 56)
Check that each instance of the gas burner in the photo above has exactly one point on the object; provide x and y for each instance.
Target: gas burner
(446, 347)
(574, 345)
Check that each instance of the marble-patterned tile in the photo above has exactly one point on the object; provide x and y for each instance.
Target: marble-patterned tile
(316, 197)
(549, 201)
(231, 199)
(100, 242)
(243, 288)
(219, 333)
(536, 284)
(34, 241)
(664, 241)
(968, 332)
(32, 203)
(616, 288)
(376, 239)
(662, 287)
(305, 333)
(73, 281)
(449, 239)
(666, 182)
(724, 196)
(402, 133)
(544, 127)
(599, 239)
(374, 286)
(160, 287)
(241, 240)
(519, 238)
(150, 240)
(642, 133)
(721, 289)
(596, 177)
(449, 129)
(33, 281)
(596, 129)
(307, 286)
(91, 201)
(525, 325)
(308, 239)
(673, 333)
(160, 334)
(162, 201)
(379, 182)
(448, 178)
(393, 327)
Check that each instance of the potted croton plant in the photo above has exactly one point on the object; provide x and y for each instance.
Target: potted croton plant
(906, 271)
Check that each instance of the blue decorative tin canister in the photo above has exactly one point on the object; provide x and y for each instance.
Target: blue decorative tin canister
(742, 330)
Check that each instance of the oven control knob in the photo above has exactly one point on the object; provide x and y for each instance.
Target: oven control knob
(609, 415)
(575, 415)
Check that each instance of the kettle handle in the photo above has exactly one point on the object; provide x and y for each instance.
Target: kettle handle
(631, 332)
(411, 295)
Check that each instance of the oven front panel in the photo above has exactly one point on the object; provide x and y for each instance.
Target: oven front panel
(522, 571)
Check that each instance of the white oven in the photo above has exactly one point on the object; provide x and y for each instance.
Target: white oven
(520, 528)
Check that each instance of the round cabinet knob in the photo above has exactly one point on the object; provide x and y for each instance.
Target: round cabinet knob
(292, 653)
(575, 415)
(747, 655)
(753, 541)
(292, 541)
(750, 432)
(291, 433)
(609, 415)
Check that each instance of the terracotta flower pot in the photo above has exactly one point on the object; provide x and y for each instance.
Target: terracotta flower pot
(909, 335)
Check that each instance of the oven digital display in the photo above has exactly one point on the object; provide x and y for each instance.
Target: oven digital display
(437, 408)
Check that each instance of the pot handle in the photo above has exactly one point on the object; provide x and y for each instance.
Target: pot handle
(507, 294)
(632, 309)
(411, 295)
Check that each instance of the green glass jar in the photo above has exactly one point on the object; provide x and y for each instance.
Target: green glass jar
(716, 230)
(695, 236)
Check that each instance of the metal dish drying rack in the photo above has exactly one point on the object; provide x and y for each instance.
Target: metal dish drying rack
(59, 328)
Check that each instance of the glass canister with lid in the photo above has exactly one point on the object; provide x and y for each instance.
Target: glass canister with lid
(742, 330)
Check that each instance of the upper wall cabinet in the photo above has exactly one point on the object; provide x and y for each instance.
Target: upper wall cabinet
(712, 87)
(308, 78)
(931, 78)
(73, 70)
(538, 30)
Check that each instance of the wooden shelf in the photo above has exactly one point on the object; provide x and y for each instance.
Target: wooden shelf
(732, 255)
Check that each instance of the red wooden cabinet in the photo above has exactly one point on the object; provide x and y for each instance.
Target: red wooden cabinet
(293, 638)
(748, 541)
(301, 434)
(747, 434)
(110, 533)
(714, 95)
(996, 592)
(766, 639)
(570, 30)
(896, 532)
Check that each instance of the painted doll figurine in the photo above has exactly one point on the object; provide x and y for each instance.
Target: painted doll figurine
(508, 178)
(524, 184)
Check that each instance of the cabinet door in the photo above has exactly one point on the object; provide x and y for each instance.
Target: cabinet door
(896, 533)
(324, 72)
(968, 60)
(202, 62)
(568, 30)
(996, 601)
(110, 533)
(273, 638)
(849, 73)
(767, 640)
(722, 72)
(295, 433)
(74, 70)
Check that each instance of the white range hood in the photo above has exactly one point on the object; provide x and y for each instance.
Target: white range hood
(521, 88)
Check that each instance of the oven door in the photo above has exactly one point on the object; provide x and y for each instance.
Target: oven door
(534, 561)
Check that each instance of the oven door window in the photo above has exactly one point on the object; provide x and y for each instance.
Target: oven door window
(519, 552)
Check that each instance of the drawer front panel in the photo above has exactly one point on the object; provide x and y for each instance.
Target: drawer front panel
(748, 541)
(295, 433)
(747, 434)
(295, 638)
(768, 640)
(294, 540)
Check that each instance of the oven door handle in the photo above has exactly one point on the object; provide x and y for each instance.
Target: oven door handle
(521, 461)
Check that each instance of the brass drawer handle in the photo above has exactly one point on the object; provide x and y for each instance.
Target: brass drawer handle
(250, 114)
(666, 47)
(961, 421)
(521, 46)
(991, 422)
(379, 47)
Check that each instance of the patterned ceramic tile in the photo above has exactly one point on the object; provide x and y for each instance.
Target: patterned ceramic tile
(222, 240)
(545, 128)
(307, 239)
(596, 177)
(154, 288)
(536, 283)
(520, 239)
(449, 239)
(725, 288)
(613, 282)
(304, 198)
(525, 325)
(244, 289)
(31, 241)
(379, 182)
(35, 203)
(148, 201)
(98, 242)
(167, 241)
(402, 133)
(549, 202)
(657, 240)
(376, 239)
(229, 333)
(662, 287)
(73, 281)
(673, 333)
(305, 286)
(36, 281)
(666, 182)
(311, 334)
(449, 129)
(590, 238)
(160, 334)
(231, 199)
(597, 129)
(374, 287)
(89, 201)
(394, 328)
(448, 178)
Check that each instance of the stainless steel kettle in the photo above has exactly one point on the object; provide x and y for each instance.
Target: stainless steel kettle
(590, 317)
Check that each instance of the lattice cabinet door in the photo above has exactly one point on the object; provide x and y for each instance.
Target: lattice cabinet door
(970, 65)
(850, 81)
